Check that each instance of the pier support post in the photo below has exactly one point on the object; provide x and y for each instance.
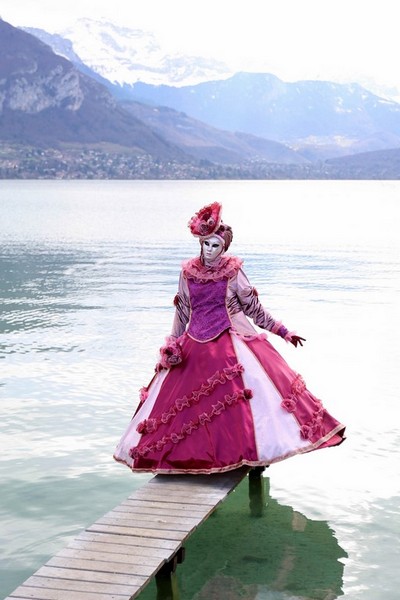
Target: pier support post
(256, 492)
(166, 579)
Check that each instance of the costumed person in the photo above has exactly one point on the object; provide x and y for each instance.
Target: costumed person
(222, 396)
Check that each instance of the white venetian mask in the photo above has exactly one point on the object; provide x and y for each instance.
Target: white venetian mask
(212, 248)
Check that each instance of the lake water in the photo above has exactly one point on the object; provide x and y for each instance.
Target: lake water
(88, 273)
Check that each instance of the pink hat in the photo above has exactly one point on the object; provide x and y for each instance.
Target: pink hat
(206, 222)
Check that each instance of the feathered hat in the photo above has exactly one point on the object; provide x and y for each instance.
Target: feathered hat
(207, 222)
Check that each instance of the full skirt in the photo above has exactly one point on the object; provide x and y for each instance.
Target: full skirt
(231, 402)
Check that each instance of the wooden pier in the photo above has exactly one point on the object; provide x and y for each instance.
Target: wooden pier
(141, 538)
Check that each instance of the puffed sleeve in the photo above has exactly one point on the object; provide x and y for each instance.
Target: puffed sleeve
(252, 307)
(182, 308)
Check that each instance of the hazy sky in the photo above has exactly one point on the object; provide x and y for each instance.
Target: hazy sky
(338, 40)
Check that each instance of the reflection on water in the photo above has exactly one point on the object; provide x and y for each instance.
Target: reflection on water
(278, 555)
(87, 278)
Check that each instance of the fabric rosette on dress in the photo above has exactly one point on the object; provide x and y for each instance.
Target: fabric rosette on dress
(170, 354)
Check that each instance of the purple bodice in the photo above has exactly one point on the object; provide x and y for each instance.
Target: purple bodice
(209, 316)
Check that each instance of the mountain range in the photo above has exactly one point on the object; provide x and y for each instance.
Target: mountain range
(105, 86)
(45, 101)
(319, 119)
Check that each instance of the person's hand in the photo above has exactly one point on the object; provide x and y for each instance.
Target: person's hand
(296, 339)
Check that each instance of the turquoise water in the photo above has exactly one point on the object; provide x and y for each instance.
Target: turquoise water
(88, 273)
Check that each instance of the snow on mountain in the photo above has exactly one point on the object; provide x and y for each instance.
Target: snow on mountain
(125, 56)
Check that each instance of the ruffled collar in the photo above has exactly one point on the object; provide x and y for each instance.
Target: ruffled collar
(226, 268)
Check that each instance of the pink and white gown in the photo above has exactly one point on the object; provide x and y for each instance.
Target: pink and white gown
(233, 400)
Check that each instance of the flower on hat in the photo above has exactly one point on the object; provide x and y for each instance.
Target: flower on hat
(206, 221)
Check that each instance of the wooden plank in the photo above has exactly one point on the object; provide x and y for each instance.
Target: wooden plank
(189, 497)
(167, 545)
(102, 566)
(43, 594)
(183, 494)
(157, 495)
(184, 490)
(170, 506)
(140, 532)
(165, 523)
(97, 555)
(159, 511)
(50, 583)
(92, 576)
(142, 554)
(138, 513)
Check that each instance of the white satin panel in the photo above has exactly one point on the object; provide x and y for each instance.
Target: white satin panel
(131, 437)
(276, 430)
